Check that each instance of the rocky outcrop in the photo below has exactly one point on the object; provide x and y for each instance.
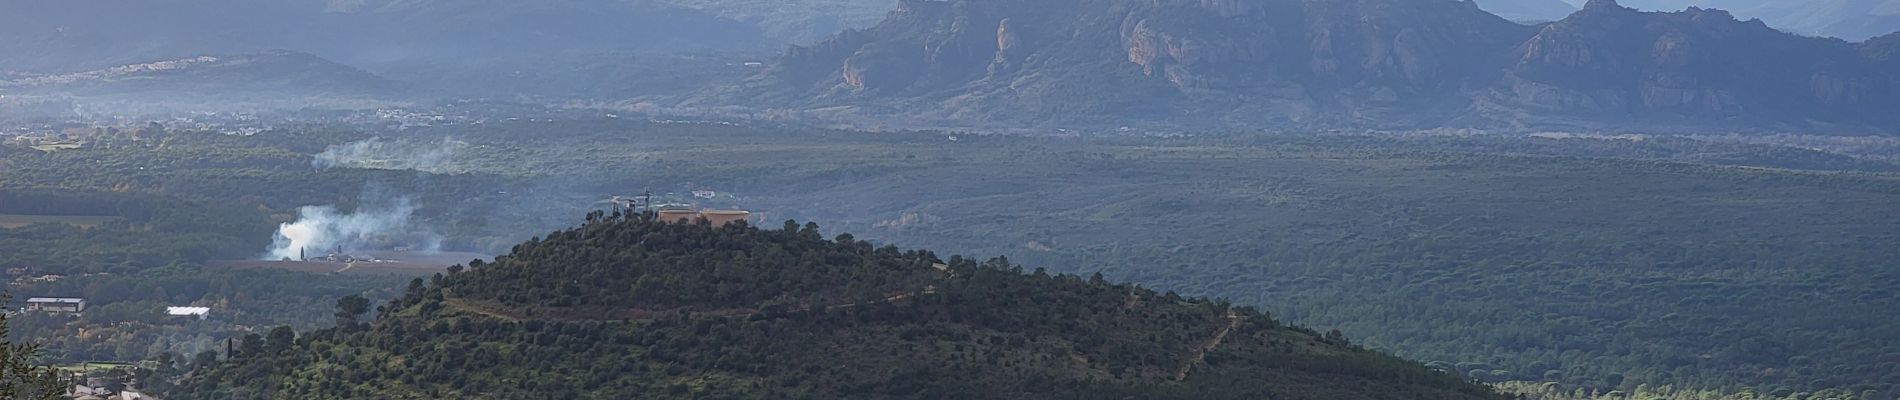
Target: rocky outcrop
(1608, 61)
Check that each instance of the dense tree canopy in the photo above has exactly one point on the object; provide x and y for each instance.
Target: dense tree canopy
(739, 312)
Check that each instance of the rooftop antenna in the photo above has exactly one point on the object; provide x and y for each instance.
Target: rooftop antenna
(648, 199)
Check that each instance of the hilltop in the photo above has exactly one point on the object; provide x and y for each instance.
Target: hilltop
(627, 307)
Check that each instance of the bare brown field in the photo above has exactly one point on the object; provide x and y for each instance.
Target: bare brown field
(9, 221)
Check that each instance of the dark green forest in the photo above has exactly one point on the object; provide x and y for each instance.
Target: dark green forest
(150, 231)
(149, 257)
(1598, 263)
(626, 307)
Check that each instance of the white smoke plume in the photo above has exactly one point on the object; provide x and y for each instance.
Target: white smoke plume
(320, 230)
(376, 153)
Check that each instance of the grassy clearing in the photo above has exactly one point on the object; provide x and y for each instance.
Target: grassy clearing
(52, 147)
(94, 366)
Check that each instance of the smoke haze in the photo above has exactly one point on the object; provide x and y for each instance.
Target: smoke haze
(323, 229)
(431, 157)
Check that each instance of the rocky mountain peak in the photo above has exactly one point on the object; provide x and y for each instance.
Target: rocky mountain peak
(1602, 5)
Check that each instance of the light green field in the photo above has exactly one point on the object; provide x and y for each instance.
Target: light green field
(52, 147)
(10, 221)
(94, 367)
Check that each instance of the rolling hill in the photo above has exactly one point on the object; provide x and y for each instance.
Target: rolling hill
(626, 306)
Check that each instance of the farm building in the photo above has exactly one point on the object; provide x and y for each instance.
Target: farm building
(188, 312)
(56, 304)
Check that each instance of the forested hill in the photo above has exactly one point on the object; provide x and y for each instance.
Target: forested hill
(625, 307)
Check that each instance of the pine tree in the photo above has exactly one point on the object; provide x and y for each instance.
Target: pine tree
(20, 378)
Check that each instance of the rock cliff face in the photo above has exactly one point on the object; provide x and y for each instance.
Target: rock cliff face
(1611, 62)
(1305, 54)
(1332, 63)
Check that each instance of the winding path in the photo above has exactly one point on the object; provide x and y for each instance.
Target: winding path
(1200, 352)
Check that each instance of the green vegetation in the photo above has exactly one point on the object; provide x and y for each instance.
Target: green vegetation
(83, 221)
(627, 307)
(52, 147)
(21, 375)
(1598, 263)
(134, 232)
(148, 254)
(95, 367)
(126, 322)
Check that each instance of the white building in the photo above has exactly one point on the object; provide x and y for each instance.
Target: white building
(188, 312)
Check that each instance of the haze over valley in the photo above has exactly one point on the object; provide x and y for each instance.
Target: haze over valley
(925, 199)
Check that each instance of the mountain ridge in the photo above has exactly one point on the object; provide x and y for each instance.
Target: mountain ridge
(1306, 64)
(1852, 20)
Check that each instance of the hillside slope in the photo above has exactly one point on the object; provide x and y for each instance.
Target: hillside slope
(627, 307)
(797, 21)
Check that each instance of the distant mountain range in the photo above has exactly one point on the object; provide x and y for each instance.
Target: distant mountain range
(273, 72)
(1175, 64)
(441, 44)
(1846, 19)
(1297, 64)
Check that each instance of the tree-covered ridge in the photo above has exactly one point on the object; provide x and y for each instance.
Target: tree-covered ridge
(740, 312)
(634, 265)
